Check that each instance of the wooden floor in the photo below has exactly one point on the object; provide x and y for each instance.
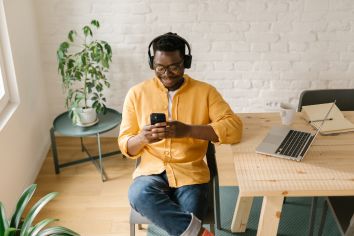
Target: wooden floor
(89, 206)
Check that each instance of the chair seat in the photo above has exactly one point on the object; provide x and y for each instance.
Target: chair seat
(139, 219)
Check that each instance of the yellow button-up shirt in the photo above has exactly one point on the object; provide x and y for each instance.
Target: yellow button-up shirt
(195, 103)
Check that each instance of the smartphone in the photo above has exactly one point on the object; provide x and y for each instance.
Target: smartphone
(157, 118)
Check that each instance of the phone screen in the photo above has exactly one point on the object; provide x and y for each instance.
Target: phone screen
(157, 118)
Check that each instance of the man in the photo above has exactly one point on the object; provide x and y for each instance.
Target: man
(170, 184)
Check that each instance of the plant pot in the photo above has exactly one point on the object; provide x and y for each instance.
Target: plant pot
(86, 117)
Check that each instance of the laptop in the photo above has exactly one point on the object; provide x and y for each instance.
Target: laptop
(283, 142)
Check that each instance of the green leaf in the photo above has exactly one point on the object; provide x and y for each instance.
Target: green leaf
(87, 31)
(95, 23)
(64, 46)
(84, 59)
(34, 211)
(59, 230)
(71, 35)
(21, 205)
(4, 224)
(10, 232)
(38, 227)
(108, 48)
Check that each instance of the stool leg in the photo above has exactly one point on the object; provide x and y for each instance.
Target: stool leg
(103, 174)
(54, 151)
(82, 144)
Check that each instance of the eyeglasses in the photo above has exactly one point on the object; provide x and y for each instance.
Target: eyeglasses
(173, 68)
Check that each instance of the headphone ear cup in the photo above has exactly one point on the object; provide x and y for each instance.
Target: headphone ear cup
(151, 62)
(187, 61)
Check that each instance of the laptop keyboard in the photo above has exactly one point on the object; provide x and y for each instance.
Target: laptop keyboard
(293, 143)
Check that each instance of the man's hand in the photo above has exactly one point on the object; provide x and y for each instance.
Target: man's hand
(177, 129)
(153, 133)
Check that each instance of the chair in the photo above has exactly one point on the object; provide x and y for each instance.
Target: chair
(344, 101)
(213, 216)
(344, 98)
(343, 211)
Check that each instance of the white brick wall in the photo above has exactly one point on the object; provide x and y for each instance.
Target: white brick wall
(256, 53)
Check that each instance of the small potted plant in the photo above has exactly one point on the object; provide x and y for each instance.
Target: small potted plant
(82, 64)
(20, 225)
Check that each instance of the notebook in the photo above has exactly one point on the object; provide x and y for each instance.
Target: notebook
(335, 123)
(287, 143)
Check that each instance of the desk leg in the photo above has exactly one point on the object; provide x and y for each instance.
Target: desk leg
(270, 216)
(103, 174)
(54, 151)
(241, 214)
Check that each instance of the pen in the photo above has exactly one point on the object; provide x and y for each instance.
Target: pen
(319, 120)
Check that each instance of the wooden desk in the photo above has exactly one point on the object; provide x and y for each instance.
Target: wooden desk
(326, 170)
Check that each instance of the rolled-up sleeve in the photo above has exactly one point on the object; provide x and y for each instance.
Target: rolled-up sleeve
(226, 124)
(129, 126)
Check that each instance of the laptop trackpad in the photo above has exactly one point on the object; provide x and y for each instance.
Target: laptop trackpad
(273, 139)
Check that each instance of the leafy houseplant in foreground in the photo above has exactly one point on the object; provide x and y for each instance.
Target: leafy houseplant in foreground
(83, 63)
(18, 226)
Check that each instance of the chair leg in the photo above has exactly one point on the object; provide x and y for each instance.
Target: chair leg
(132, 229)
(312, 215)
(140, 227)
(323, 218)
(212, 228)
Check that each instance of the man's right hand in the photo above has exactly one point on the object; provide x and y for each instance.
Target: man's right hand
(153, 133)
(149, 134)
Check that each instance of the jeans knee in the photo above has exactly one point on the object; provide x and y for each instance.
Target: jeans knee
(134, 195)
(138, 193)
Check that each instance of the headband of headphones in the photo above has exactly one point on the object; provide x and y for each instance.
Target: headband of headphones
(187, 60)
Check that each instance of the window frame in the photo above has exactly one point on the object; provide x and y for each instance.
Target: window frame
(4, 92)
(10, 100)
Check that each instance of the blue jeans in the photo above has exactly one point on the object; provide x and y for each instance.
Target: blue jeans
(168, 208)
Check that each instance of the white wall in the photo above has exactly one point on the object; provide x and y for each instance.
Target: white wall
(24, 141)
(256, 52)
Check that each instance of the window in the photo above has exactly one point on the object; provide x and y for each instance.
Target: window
(9, 98)
(4, 95)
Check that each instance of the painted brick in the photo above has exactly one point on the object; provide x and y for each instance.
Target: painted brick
(223, 66)
(260, 47)
(242, 84)
(260, 27)
(281, 66)
(278, 7)
(257, 53)
(261, 38)
(339, 84)
(243, 66)
(262, 66)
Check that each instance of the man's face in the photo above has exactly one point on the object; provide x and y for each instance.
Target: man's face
(169, 68)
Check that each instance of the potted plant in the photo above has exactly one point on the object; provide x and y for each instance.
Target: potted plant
(18, 226)
(82, 64)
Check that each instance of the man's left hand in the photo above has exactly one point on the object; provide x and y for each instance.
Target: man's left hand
(177, 129)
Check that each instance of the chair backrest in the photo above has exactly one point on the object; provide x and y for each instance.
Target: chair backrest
(214, 197)
(343, 209)
(344, 98)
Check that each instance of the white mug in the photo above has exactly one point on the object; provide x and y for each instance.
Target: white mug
(287, 113)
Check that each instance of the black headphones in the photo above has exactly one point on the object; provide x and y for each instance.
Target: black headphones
(187, 60)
